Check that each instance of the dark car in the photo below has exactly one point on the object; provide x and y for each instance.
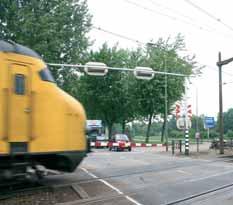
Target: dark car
(119, 142)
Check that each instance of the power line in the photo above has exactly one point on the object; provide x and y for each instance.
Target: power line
(208, 14)
(145, 44)
(226, 83)
(171, 9)
(216, 69)
(119, 35)
(142, 43)
(206, 28)
(177, 12)
(166, 15)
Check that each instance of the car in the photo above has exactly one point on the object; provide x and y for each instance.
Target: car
(120, 142)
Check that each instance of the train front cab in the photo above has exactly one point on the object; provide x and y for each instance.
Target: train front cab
(40, 124)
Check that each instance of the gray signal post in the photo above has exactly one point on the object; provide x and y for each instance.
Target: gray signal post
(220, 63)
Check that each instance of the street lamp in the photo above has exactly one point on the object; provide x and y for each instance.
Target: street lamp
(220, 63)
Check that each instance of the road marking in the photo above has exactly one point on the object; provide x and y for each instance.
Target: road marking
(112, 187)
(132, 200)
(210, 176)
(92, 175)
(183, 172)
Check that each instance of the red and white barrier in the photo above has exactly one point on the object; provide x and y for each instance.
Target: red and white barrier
(99, 144)
(146, 145)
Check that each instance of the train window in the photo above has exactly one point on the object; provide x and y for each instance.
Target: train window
(19, 84)
(46, 75)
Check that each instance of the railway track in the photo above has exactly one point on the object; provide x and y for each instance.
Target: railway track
(137, 172)
(12, 189)
(110, 197)
(194, 196)
(8, 191)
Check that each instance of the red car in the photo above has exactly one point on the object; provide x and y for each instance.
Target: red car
(119, 142)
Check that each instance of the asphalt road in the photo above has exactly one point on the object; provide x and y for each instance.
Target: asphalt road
(146, 176)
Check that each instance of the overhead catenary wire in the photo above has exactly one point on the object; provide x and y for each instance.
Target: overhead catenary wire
(166, 15)
(191, 19)
(142, 43)
(119, 35)
(190, 23)
(171, 9)
(216, 69)
(146, 44)
(209, 14)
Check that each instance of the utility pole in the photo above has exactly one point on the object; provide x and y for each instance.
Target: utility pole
(166, 101)
(197, 126)
(220, 63)
(220, 105)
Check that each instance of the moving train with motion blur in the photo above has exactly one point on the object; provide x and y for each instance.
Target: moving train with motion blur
(40, 125)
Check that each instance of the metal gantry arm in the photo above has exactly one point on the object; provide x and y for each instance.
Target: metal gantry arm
(119, 69)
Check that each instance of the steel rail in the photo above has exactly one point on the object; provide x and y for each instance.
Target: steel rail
(82, 181)
(199, 194)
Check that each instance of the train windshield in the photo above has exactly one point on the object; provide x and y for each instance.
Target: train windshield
(46, 75)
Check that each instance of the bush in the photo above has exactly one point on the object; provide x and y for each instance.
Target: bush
(176, 134)
(229, 134)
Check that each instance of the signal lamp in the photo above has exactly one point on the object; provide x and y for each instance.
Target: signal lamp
(144, 73)
(96, 68)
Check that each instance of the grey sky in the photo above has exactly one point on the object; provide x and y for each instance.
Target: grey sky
(204, 37)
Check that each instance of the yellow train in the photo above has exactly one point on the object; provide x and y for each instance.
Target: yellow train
(39, 123)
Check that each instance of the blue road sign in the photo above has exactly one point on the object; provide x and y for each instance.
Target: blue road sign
(209, 122)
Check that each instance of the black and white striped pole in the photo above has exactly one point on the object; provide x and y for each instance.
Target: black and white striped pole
(186, 142)
(186, 127)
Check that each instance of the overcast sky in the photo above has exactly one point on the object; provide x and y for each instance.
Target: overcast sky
(204, 37)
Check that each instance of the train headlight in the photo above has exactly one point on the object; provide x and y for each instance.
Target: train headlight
(144, 73)
(96, 69)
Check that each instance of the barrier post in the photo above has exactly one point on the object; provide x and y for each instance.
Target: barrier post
(180, 145)
(173, 147)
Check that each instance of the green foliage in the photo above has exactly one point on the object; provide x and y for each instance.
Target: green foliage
(108, 98)
(198, 120)
(228, 120)
(120, 98)
(162, 56)
(213, 134)
(54, 28)
(176, 134)
(229, 134)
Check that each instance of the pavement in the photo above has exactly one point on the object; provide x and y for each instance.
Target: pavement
(150, 176)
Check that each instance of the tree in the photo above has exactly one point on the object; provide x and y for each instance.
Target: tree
(54, 28)
(160, 56)
(227, 120)
(109, 97)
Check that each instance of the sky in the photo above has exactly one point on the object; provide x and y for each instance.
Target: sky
(205, 35)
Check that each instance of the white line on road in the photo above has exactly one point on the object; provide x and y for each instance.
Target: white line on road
(183, 172)
(112, 187)
(92, 175)
(211, 176)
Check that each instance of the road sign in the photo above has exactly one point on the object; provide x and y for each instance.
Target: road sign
(209, 122)
(94, 123)
(197, 135)
(180, 123)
